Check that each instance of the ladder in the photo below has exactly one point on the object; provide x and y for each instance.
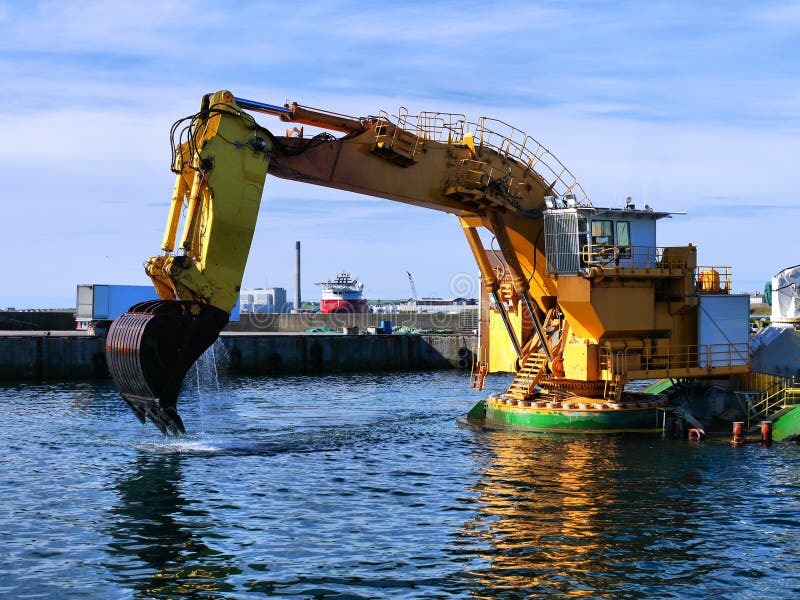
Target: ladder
(506, 290)
(613, 388)
(528, 376)
(479, 377)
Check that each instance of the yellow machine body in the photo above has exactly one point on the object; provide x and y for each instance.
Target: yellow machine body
(588, 331)
(222, 201)
(614, 323)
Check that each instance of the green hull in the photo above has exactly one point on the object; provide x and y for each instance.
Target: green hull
(787, 426)
(633, 420)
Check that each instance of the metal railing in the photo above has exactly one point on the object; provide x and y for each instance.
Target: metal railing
(631, 257)
(516, 145)
(441, 127)
(567, 259)
(776, 393)
(390, 129)
(509, 142)
(712, 280)
(704, 356)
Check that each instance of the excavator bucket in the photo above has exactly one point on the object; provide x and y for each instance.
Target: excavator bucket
(149, 350)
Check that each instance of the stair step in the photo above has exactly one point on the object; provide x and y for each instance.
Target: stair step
(528, 376)
(773, 416)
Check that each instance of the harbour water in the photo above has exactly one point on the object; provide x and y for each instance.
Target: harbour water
(362, 486)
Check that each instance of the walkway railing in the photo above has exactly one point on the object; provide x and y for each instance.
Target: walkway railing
(712, 280)
(704, 356)
(631, 257)
(779, 393)
(508, 141)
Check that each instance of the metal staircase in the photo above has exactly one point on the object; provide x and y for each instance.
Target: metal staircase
(772, 403)
(396, 142)
(528, 376)
(479, 181)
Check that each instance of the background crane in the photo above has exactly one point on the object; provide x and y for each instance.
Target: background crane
(414, 295)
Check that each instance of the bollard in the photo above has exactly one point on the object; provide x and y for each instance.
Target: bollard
(696, 435)
(738, 433)
(766, 432)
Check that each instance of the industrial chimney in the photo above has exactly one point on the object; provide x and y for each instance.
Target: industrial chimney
(297, 303)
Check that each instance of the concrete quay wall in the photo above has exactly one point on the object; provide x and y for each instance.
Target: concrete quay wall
(259, 322)
(45, 356)
(75, 355)
(37, 320)
(301, 322)
(320, 353)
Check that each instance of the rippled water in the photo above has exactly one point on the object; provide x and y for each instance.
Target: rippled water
(363, 487)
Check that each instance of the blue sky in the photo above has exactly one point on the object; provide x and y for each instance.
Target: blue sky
(688, 106)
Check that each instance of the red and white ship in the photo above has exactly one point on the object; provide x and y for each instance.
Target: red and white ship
(343, 294)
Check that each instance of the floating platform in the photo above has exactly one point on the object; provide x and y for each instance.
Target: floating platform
(575, 416)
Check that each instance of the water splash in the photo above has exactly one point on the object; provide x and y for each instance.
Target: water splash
(208, 366)
(205, 373)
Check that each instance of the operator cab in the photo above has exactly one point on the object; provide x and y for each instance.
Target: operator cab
(578, 237)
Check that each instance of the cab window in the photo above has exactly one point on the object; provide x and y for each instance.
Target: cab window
(602, 233)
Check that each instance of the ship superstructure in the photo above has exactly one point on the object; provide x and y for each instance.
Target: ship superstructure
(342, 294)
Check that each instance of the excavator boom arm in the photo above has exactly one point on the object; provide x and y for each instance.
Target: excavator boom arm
(222, 158)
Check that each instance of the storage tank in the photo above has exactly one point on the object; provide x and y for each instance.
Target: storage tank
(786, 298)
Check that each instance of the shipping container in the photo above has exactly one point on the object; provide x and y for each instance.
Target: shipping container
(723, 330)
(104, 302)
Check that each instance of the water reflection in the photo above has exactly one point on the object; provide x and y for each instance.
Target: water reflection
(159, 547)
(570, 517)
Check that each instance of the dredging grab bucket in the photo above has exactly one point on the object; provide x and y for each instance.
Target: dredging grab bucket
(149, 350)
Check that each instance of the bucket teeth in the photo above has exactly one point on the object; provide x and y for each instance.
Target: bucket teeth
(137, 409)
(149, 350)
(165, 418)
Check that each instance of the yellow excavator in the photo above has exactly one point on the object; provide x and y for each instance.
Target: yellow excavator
(582, 300)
